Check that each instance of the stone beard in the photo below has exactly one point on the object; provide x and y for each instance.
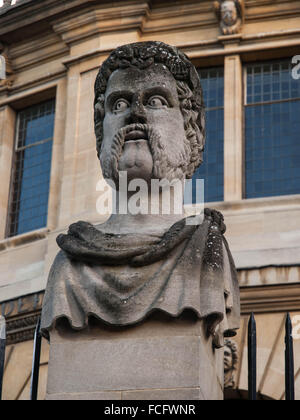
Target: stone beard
(150, 122)
(156, 161)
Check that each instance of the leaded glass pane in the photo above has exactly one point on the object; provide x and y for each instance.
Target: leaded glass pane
(272, 155)
(30, 189)
(212, 168)
(271, 82)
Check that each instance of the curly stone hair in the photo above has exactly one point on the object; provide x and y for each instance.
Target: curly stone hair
(142, 55)
(234, 351)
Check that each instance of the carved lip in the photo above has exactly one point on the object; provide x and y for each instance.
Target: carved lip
(136, 135)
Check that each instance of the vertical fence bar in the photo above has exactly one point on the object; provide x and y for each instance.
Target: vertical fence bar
(252, 370)
(36, 362)
(2, 351)
(289, 361)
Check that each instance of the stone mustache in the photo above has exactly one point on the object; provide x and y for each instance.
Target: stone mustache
(149, 121)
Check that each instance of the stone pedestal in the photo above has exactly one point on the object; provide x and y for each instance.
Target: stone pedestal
(160, 359)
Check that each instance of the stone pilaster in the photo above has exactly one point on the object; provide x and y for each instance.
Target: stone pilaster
(7, 135)
(233, 129)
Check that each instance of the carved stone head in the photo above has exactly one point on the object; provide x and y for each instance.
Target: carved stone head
(230, 14)
(149, 113)
(230, 362)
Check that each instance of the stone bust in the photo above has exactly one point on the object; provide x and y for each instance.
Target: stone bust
(230, 363)
(230, 14)
(150, 124)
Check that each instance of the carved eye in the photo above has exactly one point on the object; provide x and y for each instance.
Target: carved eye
(157, 102)
(121, 105)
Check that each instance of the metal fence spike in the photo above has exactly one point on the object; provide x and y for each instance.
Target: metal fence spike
(2, 350)
(252, 369)
(36, 362)
(289, 361)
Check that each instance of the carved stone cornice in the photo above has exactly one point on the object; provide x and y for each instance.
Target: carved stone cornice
(257, 10)
(104, 18)
(175, 17)
(22, 329)
(23, 239)
(30, 12)
(270, 298)
(50, 47)
(163, 16)
(9, 5)
(21, 317)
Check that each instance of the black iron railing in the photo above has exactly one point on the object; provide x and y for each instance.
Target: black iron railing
(2, 351)
(35, 361)
(289, 360)
(252, 368)
(252, 359)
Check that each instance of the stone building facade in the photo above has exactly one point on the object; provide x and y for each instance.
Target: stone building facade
(52, 51)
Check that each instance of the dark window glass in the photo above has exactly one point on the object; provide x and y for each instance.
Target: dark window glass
(272, 161)
(212, 168)
(32, 164)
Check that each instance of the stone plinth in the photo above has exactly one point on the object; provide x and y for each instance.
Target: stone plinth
(159, 359)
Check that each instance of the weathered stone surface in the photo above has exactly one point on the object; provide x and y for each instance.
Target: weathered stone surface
(164, 394)
(91, 396)
(158, 359)
(126, 364)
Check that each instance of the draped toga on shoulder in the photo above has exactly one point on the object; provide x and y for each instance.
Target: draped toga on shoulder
(121, 279)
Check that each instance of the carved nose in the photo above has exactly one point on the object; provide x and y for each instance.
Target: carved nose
(138, 112)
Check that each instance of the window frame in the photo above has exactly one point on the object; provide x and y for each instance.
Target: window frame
(246, 105)
(16, 149)
(216, 68)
